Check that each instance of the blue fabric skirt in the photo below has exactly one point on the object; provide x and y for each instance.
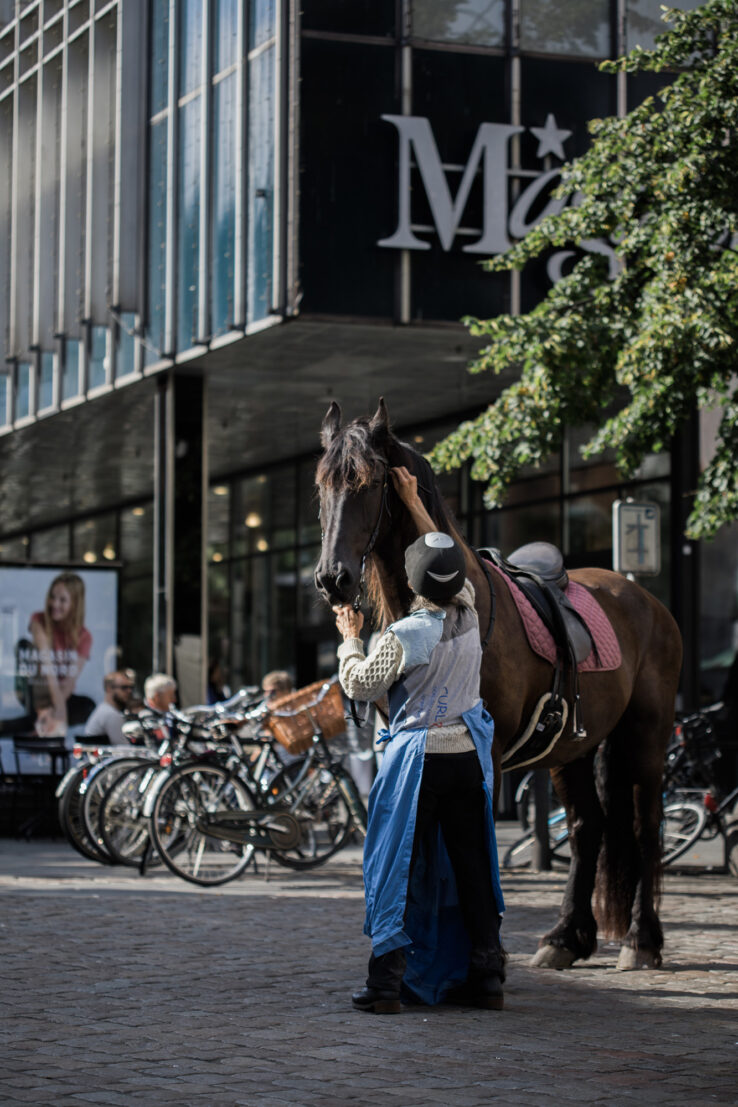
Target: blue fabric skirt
(421, 914)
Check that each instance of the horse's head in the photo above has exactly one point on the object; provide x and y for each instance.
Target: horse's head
(354, 485)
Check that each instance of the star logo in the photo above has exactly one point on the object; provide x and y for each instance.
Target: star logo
(551, 138)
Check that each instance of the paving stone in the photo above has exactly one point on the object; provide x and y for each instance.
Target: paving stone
(119, 989)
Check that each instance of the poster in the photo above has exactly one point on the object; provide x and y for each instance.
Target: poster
(58, 638)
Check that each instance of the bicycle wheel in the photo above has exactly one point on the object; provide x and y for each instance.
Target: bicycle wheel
(325, 821)
(731, 845)
(682, 825)
(96, 786)
(72, 822)
(521, 853)
(190, 792)
(122, 826)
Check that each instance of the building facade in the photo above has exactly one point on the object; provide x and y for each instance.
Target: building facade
(216, 216)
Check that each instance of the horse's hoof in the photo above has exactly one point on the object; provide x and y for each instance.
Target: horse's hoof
(637, 959)
(553, 957)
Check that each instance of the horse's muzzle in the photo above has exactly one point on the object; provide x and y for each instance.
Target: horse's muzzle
(337, 585)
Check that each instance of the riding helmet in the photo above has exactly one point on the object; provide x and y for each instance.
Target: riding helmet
(435, 567)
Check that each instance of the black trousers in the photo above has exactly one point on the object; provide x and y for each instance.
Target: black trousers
(451, 796)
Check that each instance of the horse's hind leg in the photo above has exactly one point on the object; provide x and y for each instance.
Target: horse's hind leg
(575, 935)
(628, 879)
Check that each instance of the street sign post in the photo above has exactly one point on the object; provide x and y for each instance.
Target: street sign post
(636, 538)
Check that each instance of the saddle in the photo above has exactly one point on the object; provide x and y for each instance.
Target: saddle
(538, 570)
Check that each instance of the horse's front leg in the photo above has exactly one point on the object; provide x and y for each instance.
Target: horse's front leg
(575, 935)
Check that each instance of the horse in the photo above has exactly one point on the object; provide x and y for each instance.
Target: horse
(613, 800)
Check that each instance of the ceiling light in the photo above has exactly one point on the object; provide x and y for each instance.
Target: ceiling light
(220, 490)
(139, 511)
(419, 438)
(89, 557)
(262, 545)
(217, 557)
(253, 519)
(109, 552)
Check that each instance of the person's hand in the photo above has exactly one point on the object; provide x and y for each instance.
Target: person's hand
(406, 485)
(348, 621)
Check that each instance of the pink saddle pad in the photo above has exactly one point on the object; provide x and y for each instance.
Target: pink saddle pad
(540, 640)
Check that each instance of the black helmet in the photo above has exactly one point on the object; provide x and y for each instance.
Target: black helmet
(435, 566)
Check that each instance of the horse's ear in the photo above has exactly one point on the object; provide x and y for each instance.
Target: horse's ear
(331, 425)
(379, 423)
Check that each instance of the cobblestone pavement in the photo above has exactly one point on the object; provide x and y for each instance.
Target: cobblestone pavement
(118, 989)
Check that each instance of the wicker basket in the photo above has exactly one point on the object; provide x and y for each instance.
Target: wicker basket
(293, 718)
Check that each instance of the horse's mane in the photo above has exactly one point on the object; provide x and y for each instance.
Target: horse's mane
(350, 460)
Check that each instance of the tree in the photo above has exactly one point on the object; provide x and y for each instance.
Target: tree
(660, 184)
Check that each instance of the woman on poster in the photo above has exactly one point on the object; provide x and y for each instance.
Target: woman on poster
(62, 645)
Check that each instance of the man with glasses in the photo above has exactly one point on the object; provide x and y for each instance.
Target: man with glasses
(105, 724)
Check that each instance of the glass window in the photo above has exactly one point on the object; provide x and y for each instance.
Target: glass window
(95, 540)
(644, 22)
(190, 45)
(4, 399)
(223, 234)
(46, 381)
(135, 629)
(508, 529)
(137, 540)
(219, 515)
(188, 239)
(481, 22)
(308, 503)
(719, 614)
(261, 184)
(70, 381)
(345, 213)
(159, 55)
(225, 34)
(23, 390)
(359, 17)
(15, 549)
(157, 236)
(261, 27)
(560, 27)
(50, 546)
(251, 514)
(219, 638)
(97, 367)
(125, 344)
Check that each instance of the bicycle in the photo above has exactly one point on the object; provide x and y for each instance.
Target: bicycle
(695, 807)
(521, 853)
(210, 815)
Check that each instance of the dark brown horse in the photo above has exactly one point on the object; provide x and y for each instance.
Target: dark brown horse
(613, 805)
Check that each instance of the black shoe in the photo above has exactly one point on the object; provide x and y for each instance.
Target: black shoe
(486, 993)
(378, 1000)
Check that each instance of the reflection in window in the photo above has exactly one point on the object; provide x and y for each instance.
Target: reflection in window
(70, 380)
(157, 236)
(159, 55)
(4, 405)
(262, 22)
(481, 22)
(644, 20)
(580, 28)
(125, 344)
(188, 239)
(190, 45)
(23, 390)
(98, 353)
(261, 184)
(50, 546)
(95, 541)
(223, 240)
(137, 540)
(46, 381)
(225, 31)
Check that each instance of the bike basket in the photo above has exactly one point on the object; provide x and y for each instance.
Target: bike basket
(293, 718)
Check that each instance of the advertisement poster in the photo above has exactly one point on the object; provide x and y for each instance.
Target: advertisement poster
(58, 638)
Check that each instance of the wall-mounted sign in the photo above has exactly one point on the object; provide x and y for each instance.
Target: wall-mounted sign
(636, 538)
(489, 155)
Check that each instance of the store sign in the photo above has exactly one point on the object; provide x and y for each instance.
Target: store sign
(636, 538)
(58, 638)
(490, 154)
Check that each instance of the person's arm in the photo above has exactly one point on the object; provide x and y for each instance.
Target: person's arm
(406, 486)
(47, 669)
(365, 678)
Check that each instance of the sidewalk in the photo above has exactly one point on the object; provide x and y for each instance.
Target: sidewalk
(120, 990)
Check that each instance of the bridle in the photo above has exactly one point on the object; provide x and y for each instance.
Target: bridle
(383, 506)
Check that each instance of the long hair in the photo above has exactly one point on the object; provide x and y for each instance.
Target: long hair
(74, 622)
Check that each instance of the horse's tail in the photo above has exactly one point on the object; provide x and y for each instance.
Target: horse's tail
(619, 866)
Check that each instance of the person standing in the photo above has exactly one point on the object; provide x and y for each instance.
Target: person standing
(433, 897)
(106, 721)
